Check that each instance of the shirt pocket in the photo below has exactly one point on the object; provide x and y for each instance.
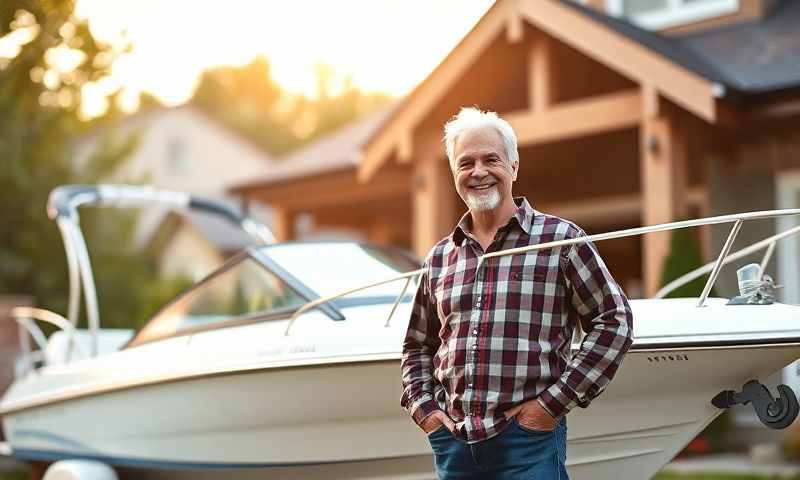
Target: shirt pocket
(528, 292)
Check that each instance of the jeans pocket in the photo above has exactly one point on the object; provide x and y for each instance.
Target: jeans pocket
(531, 431)
(442, 428)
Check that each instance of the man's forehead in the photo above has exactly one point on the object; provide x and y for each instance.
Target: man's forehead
(483, 139)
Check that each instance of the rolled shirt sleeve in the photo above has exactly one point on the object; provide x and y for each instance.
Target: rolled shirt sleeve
(605, 315)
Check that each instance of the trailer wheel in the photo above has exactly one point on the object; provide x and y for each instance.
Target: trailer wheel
(80, 470)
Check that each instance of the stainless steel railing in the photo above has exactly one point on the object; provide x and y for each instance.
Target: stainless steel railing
(715, 267)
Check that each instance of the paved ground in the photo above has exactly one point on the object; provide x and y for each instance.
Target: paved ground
(733, 463)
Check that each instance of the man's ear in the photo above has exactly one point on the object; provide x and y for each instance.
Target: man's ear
(515, 169)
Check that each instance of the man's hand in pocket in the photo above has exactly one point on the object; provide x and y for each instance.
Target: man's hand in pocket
(533, 416)
(430, 423)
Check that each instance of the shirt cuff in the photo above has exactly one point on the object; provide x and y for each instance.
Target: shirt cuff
(422, 408)
(558, 399)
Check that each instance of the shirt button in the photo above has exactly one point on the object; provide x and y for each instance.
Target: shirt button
(474, 346)
(475, 331)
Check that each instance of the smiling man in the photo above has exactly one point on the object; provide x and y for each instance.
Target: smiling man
(487, 371)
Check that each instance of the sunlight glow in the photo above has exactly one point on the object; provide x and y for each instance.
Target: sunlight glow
(386, 46)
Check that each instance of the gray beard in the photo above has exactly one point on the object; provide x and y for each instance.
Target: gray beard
(487, 201)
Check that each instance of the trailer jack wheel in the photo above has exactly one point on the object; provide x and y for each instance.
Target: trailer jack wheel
(775, 413)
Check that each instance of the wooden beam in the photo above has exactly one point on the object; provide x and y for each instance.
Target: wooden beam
(540, 74)
(515, 28)
(664, 183)
(405, 147)
(433, 203)
(428, 143)
(283, 221)
(618, 209)
(604, 113)
(337, 188)
(651, 103)
(687, 89)
(432, 89)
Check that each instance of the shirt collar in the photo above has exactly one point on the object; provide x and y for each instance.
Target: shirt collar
(523, 217)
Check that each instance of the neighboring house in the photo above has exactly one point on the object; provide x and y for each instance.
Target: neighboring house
(320, 175)
(184, 149)
(191, 245)
(628, 113)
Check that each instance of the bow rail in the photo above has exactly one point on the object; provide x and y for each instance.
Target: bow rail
(714, 267)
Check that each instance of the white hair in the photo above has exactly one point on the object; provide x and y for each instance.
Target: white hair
(470, 118)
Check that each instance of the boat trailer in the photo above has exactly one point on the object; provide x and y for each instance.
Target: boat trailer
(775, 413)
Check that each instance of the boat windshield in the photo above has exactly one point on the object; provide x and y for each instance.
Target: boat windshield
(240, 290)
(329, 268)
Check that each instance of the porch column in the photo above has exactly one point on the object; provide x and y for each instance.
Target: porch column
(433, 203)
(663, 157)
(283, 223)
(380, 232)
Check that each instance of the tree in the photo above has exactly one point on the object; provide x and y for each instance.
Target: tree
(47, 59)
(249, 100)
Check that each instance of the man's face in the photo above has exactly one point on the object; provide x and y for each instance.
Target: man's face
(483, 176)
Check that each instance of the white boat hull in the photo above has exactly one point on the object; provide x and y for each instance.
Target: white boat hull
(343, 420)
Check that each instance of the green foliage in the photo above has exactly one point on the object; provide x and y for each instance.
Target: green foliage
(684, 256)
(247, 99)
(39, 120)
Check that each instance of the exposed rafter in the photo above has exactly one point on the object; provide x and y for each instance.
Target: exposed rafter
(604, 113)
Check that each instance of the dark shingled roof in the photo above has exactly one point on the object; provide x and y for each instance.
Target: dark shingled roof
(752, 59)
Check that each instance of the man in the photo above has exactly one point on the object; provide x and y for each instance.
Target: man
(485, 366)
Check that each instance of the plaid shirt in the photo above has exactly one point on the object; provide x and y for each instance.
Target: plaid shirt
(481, 341)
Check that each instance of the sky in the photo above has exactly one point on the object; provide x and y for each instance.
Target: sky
(384, 45)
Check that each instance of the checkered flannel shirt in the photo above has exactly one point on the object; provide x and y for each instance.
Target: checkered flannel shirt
(482, 340)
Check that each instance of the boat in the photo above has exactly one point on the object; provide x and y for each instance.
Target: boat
(284, 363)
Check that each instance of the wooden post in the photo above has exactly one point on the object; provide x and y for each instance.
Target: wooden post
(515, 29)
(540, 83)
(380, 231)
(433, 203)
(283, 223)
(664, 185)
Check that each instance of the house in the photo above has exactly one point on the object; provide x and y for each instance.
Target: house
(628, 113)
(305, 182)
(184, 149)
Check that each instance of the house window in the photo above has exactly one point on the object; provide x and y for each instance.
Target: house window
(658, 14)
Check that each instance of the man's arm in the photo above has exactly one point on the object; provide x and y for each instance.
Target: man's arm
(605, 316)
(419, 347)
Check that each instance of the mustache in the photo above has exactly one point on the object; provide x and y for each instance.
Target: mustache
(485, 184)
(489, 180)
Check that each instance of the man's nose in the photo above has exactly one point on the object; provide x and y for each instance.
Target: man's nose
(478, 170)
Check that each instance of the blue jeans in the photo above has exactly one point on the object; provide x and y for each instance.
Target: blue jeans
(515, 453)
